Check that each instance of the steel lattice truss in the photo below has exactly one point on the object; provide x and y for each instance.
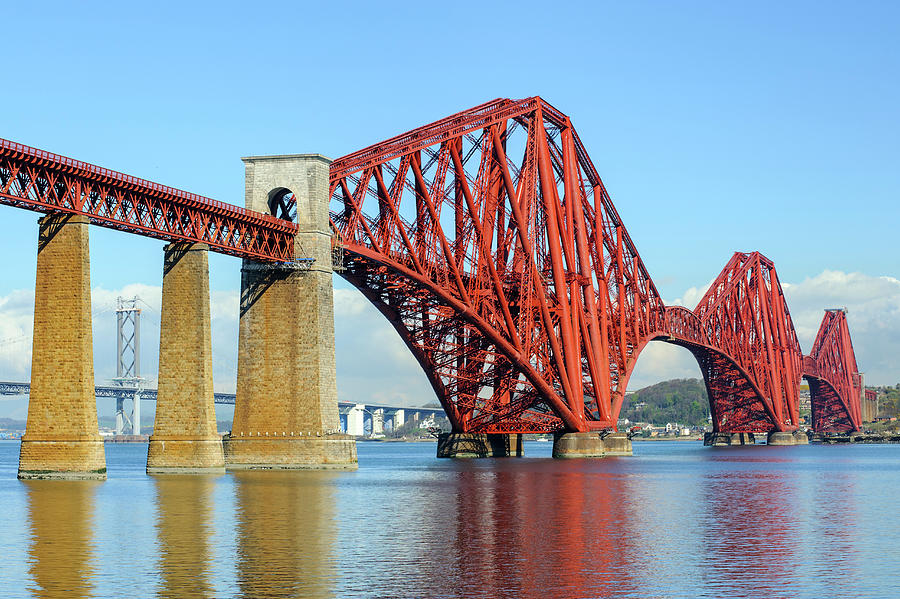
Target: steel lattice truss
(490, 243)
(751, 362)
(45, 182)
(834, 381)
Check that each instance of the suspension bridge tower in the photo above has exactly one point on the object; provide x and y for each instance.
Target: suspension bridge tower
(128, 364)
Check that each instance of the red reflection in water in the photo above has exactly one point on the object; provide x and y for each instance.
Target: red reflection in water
(521, 529)
(751, 530)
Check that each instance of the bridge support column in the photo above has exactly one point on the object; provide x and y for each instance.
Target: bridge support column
(787, 438)
(378, 421)
(184, 439)
(479, 445)
(356, 420)
(578, 445)
(120, 415)
(62, 439)
(715, 439)
(617, 444)
(286, 413)
(743, 439)
(725, 439)
(781, 438)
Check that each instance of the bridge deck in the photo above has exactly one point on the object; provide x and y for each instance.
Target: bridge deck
(45, 182)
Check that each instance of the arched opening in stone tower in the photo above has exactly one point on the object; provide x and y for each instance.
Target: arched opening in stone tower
(283, 204)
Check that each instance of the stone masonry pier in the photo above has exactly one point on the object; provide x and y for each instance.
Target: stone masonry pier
(184, 436)
(61, 438)
(285, 412)
(591, 445)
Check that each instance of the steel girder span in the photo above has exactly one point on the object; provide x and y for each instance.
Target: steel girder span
(745, 343)
(37, 180)
(487, 239)
(835, 386)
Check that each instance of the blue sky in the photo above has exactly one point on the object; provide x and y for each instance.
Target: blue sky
(716, 126)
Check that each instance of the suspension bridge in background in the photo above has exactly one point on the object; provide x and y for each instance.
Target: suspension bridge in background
(488, 241)
(357, 418)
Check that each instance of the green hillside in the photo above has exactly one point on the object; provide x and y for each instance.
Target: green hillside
(680, 400)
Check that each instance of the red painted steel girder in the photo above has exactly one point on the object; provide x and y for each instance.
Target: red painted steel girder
(834, 382)
(489, 241)
(747, 319)
(491, 245)
(744, 342)
(44, 182)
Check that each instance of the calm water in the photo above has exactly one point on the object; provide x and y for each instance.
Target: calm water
(676, 520)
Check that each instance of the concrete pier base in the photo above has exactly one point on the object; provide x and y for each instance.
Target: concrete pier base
(279, 452)
(184, 439)
(743, 439)
(781, 438)
(800, 438)
(62, 439)
(617, 444)
(717, 439)
(479, 445)
(168, 454)
(71, 459)
(728, 439)
(578, 445)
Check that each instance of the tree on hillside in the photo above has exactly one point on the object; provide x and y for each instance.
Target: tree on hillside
(679, 400)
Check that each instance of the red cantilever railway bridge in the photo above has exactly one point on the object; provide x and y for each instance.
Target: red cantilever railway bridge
(489, 242)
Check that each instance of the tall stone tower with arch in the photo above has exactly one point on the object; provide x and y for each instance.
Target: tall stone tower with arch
(286, 413)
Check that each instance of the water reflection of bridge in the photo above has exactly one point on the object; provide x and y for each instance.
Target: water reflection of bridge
(284, 543)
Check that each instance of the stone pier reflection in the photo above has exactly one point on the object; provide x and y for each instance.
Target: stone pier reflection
(285, 533)
(61, 551)
(184, 529)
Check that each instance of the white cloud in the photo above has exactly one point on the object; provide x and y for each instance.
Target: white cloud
(16, 327)
(873, 315)
(373, 362)
(349, 302)
(691, 297)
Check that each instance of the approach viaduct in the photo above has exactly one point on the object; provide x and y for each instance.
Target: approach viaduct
(488, 241)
